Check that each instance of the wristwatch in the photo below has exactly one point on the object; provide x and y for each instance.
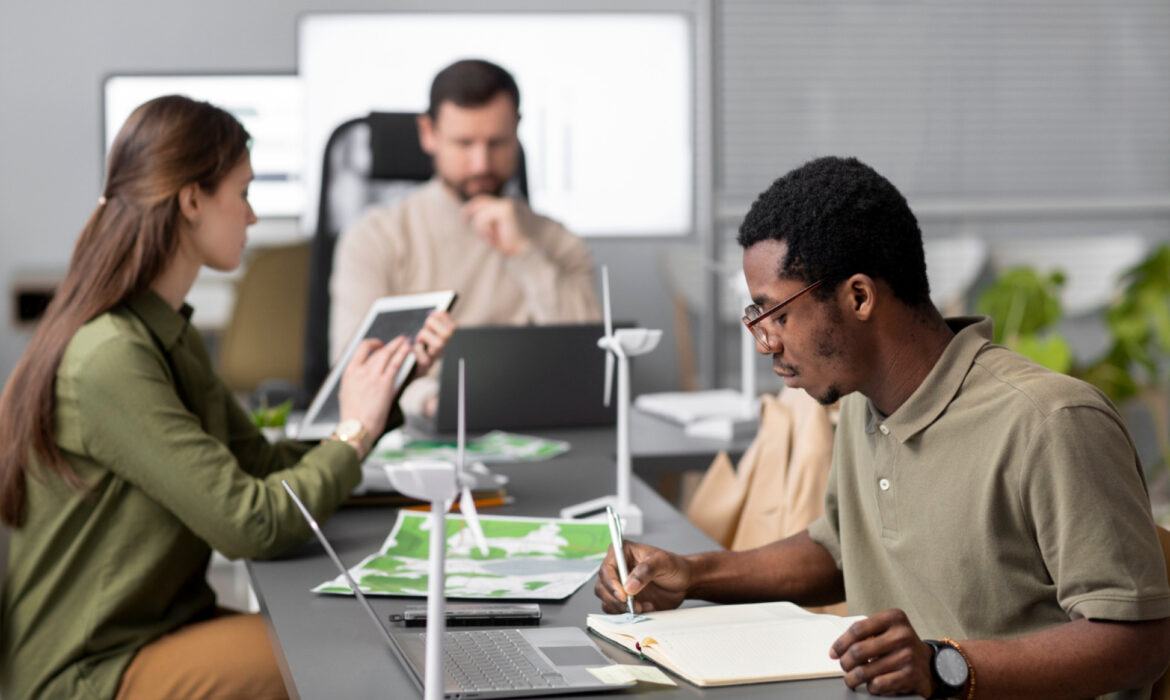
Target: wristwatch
(350, 430)
(949, 668)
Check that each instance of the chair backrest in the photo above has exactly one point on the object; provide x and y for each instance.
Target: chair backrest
(263, 341)
(370, 161)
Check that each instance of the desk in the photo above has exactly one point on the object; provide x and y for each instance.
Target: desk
(659, 447)
(327, 647)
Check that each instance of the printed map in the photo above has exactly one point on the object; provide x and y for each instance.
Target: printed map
(532, 558)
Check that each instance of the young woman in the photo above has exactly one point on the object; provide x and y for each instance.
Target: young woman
(123, 458)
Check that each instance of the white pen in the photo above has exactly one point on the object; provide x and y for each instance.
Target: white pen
(619, 551)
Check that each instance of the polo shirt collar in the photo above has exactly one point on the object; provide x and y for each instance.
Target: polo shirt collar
(164, 323)
(941, 385)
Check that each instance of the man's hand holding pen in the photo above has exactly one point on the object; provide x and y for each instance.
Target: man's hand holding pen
(658, 578)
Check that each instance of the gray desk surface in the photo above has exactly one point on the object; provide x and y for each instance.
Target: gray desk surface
(658, 446)
(328, 648)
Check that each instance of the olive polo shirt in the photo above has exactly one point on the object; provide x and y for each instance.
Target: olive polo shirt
(175, 469)
(1000, 499)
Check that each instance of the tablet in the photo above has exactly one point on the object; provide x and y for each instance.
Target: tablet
(388, 318)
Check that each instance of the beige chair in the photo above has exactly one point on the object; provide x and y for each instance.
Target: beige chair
(778, 488)
(264, 340)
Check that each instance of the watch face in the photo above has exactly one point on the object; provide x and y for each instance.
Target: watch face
(348, 429)
(951, 666)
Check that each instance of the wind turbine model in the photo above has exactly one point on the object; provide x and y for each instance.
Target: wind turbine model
(622, 344)
(439, 482)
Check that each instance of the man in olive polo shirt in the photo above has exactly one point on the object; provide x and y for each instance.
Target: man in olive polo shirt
(975, 498)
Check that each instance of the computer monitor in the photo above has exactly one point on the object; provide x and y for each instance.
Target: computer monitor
(270, 106)
(607, 100)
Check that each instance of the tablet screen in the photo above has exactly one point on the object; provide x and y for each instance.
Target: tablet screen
(386, 327)
(388, 318)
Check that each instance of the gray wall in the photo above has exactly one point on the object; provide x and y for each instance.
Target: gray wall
(996, 118)
(53, 58)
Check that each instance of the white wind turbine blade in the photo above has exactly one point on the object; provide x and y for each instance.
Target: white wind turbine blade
(466, 500)
(608, 375)
(608, 333)
(471, 516)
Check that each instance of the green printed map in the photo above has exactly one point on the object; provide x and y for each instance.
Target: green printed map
(533, 558)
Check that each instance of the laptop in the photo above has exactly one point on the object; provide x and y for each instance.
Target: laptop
(526, 377)
(490, 663)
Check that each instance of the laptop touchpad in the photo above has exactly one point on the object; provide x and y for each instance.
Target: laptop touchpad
(575, 656)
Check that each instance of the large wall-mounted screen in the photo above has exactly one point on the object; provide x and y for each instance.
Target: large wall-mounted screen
(607, 101)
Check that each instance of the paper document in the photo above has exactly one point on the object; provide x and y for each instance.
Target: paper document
(533, 558)
(733, 644)
(623, 674)
(689, 406)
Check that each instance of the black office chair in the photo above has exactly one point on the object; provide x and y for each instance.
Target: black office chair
(369, 161)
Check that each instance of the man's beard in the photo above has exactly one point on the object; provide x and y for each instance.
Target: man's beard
(486, 184)
(831, 396)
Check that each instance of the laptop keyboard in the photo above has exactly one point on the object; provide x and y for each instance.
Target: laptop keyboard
(490, 660)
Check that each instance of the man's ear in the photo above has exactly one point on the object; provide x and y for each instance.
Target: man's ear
(190, 204)
(426, 133)
(861, 294)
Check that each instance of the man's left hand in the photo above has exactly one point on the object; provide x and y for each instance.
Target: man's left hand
(494, 220)
(884, 653)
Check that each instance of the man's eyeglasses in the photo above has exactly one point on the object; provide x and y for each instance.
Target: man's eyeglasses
(752, 315)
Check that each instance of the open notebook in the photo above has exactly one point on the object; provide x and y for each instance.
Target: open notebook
(733, 644)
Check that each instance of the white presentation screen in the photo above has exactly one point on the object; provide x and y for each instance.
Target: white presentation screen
(606, 101)
(269, 106)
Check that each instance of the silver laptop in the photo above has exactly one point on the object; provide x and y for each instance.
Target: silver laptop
(490, 663)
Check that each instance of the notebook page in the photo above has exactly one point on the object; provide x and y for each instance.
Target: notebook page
(727, 644)
(745, 653)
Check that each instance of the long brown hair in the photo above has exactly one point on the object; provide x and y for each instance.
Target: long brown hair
(129, 239)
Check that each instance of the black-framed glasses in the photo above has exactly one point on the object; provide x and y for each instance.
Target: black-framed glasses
(753, 314)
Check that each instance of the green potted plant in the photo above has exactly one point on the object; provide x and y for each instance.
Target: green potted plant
(272, 420)
(1136, 365)
(1026, 309)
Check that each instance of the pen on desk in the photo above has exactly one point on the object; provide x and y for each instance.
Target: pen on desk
(619, 551)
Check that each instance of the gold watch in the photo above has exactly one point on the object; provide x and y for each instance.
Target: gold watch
(350, 430)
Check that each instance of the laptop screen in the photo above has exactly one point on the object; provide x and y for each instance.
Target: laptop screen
(524, 377)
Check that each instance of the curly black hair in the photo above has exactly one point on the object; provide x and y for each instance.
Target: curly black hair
(839, 217)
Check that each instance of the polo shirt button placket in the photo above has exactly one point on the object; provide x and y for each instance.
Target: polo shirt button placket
(884, 484)
(884, 429)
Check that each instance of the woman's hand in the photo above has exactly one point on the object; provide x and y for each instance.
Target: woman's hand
(367, 385)
(430, 341)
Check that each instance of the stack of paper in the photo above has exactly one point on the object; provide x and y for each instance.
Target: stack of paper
(732, 644)
(720, 414)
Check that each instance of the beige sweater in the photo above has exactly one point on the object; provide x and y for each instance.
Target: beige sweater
(423, 244)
